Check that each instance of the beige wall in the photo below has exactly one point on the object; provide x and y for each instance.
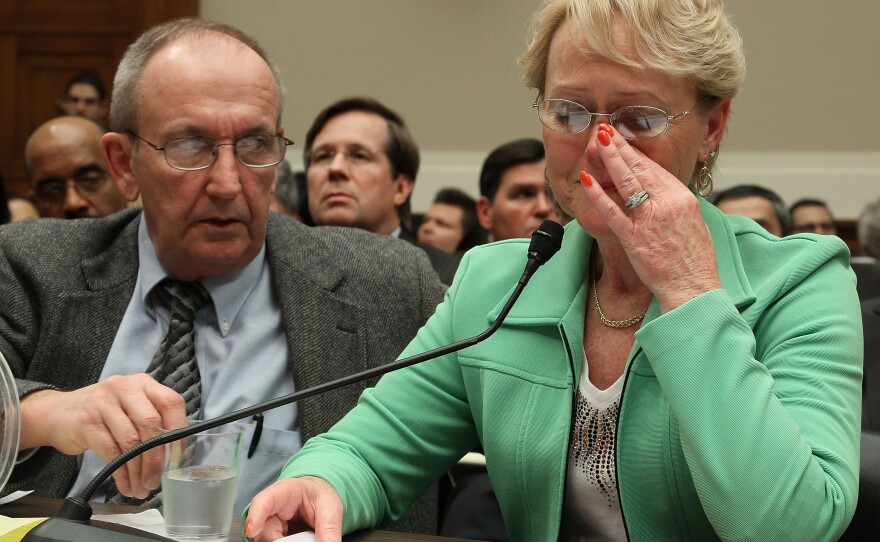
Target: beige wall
(806, 122)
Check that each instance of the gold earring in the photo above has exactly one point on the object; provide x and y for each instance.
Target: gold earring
(704, 178)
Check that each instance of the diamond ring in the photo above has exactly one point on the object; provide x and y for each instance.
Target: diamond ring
(636, 199)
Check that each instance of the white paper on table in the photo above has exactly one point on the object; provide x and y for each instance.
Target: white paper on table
(307, 536)
(14, 496)
(148, 520)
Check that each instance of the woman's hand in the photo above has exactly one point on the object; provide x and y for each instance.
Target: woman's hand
(294, 505)
(665, 237)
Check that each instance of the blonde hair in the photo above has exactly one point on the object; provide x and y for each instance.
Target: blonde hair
(687, 38)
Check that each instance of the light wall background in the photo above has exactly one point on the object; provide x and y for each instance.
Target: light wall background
(806, 123)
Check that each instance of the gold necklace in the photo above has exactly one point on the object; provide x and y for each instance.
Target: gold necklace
(615, 323)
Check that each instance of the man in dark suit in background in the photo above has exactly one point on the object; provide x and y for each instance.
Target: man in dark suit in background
(871, 376)
(86, 303)
(361, 165)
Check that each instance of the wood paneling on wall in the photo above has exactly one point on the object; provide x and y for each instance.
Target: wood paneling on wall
(43, 43)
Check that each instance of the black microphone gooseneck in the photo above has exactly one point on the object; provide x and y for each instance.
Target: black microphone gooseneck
(545, 242)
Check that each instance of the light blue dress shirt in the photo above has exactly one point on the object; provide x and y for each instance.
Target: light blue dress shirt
(241, 350)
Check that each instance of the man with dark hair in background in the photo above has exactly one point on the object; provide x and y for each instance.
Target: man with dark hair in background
(758, 203)
(85, 96)
(361, 164)
(513, 201)
(451, 224)
(811, 215)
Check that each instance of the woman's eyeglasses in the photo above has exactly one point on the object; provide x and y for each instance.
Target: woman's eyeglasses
(634, 122)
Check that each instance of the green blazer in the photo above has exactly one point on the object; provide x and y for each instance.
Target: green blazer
(739, 414)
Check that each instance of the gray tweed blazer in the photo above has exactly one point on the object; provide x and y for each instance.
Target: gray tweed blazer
(349, 300)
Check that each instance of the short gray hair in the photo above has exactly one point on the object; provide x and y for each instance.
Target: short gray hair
(123, 105)
(868, 229)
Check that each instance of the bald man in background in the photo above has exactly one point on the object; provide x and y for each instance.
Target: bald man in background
(68, 175)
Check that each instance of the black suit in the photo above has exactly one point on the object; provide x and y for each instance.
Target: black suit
(444, 263)
(871, 375)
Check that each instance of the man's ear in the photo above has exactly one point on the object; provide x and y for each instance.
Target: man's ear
(484, 213)
(404, 187)
(117, 150)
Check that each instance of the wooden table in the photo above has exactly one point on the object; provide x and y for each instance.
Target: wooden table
(38, 507)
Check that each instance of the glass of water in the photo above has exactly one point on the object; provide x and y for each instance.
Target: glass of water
(199, 482)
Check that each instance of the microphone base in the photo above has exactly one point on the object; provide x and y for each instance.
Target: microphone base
(65, 530)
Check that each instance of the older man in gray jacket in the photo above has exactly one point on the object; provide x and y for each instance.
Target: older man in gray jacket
(86, 305)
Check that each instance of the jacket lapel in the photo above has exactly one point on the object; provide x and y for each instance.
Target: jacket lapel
(325, 331)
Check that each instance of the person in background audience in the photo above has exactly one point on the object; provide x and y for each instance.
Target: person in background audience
(85, 96)
(283, 306)
(758, 203)
(361, 163)
(866, 264)
(868, 232)
(512, 201)
(812, 216)
(287, 198)
(451, 222)
(20, 208)
(67, 171)
(673, 373)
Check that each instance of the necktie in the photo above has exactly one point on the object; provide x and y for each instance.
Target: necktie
(174, 363)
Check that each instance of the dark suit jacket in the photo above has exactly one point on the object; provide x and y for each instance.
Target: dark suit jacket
(444, 263)
(871, 374)
(65, 286)
(867, 279)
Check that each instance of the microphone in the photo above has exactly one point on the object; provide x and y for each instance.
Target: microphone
(72, 524)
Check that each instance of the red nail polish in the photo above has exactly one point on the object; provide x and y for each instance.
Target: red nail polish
(247, 528)
(603, 138)
(610, 130)
(586, 179)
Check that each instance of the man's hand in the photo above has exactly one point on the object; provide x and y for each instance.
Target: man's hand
(294, 505)
(108, 418)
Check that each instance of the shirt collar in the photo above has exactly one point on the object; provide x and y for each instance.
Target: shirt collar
(228, 292)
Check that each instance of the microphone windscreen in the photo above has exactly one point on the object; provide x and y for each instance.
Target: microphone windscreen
(546, 241)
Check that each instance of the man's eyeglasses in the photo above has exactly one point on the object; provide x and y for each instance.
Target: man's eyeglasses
(194, 153)
(634, 122)
(54, 191)
(356, 156)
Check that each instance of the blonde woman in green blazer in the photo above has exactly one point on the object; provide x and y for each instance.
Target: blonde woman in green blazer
(671, 374)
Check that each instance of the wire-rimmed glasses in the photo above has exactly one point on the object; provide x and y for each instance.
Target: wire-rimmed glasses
(194, 153)
(633, 122)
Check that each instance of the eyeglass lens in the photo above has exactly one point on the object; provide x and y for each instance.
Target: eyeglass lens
(633, 122)
(200, 152)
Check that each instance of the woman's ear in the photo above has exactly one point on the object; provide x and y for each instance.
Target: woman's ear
(715, 124)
